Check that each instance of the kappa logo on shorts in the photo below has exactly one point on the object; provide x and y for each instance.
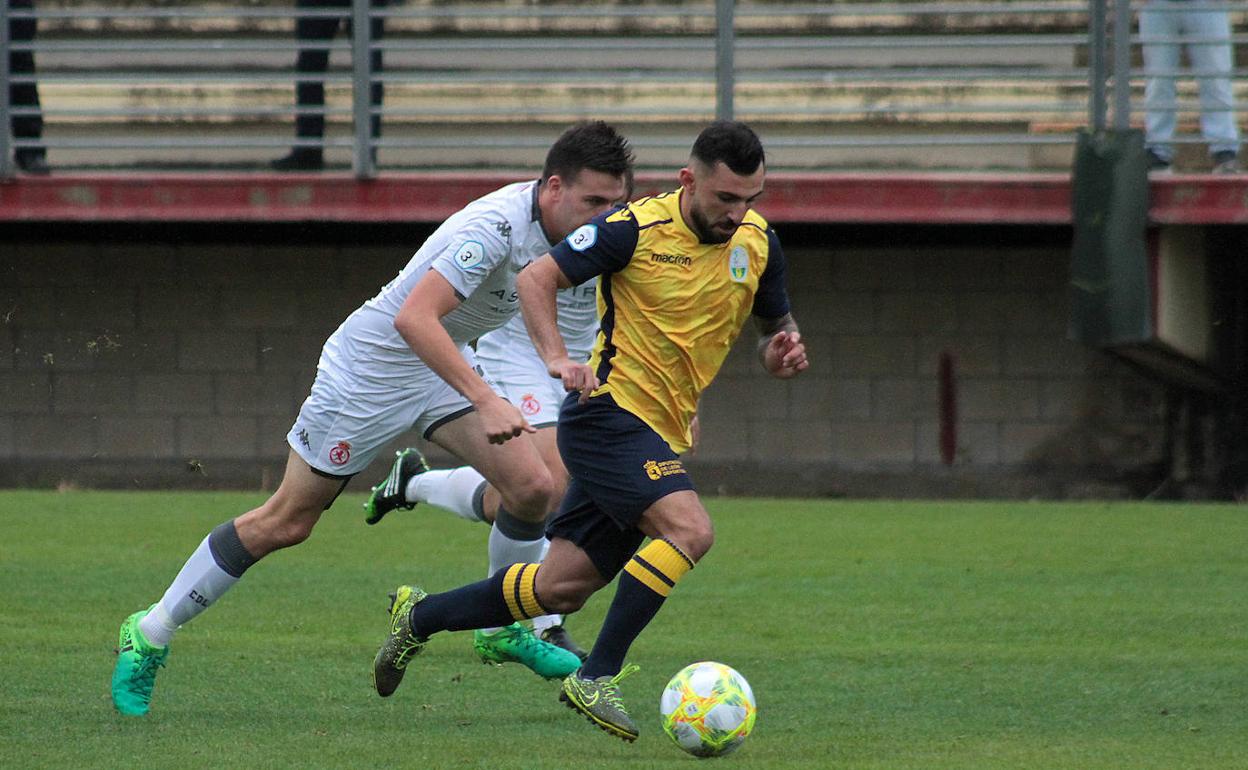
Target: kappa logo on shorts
(583, 237)
(656, 470)
(529, 405)
(340, 454)
(469, 255)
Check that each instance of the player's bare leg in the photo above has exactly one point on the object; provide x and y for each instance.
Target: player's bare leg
(466, 493)
(548, 628)
(285, 519)
(525, 492)
(517, 535)
(516, 469)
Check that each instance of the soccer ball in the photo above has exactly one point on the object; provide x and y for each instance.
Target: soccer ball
(708, 709)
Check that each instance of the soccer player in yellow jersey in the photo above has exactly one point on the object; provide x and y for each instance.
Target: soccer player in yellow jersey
(679, 273)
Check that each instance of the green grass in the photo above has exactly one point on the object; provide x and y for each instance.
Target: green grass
(875, 635)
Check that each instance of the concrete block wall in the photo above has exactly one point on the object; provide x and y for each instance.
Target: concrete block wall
(1036, 413)
(166, 360)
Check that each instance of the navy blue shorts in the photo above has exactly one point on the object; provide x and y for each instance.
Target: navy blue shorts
(618, 467)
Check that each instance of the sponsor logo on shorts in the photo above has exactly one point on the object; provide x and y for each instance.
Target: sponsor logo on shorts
(529, 405)
(738, 264)
(469, 255)
(583, 237)
(656, 470)
(303, 438)
(340, 454)
(672, 259)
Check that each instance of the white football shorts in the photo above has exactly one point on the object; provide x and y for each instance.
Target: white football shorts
(517, 371)
(348, 417)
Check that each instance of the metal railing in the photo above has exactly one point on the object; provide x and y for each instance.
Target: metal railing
(902, 84)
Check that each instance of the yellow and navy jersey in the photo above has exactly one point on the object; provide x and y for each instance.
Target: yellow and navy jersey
(669, 305)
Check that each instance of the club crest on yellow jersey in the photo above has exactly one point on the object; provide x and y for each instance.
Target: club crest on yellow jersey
(738, 264)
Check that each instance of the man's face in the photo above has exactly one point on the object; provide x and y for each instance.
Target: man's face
(718, 198)
(575, 201)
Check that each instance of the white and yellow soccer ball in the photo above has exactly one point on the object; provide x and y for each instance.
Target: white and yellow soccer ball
(708, 709)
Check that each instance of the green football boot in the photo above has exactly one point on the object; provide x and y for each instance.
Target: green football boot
(517, 644)
(135, 672)
(401, 645)
(390, 493)
(559, 636)
(599, 700)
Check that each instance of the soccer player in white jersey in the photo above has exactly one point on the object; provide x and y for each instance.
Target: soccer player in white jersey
(402, 361)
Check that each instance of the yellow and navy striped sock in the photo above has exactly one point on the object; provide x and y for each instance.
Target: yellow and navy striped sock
(520, 591)
(507, 595)
(658, 566)
(647, 579)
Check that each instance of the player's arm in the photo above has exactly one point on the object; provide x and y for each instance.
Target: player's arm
(537, 285)
(419, 323)
(603, 245)
(780, 347)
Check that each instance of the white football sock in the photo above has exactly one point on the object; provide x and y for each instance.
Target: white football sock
(505, 551)
(455, 489)
(544, 622)
(200, 583)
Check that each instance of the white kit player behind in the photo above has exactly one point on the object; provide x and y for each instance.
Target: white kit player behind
(402, 361)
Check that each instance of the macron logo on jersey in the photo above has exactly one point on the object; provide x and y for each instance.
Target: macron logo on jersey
(583, 237)
(469, 255)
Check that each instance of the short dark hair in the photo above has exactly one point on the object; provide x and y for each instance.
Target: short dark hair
(593, 145)
(733, 143)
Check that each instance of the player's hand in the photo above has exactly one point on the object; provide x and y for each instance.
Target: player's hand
(578, 377)
(785, 355)
(502, 420)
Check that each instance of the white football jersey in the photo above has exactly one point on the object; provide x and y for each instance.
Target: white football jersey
(577, 309)
(479, 250)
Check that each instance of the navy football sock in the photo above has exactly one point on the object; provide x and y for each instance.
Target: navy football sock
(645, 583)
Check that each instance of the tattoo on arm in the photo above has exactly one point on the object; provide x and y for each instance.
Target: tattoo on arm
(768, 327)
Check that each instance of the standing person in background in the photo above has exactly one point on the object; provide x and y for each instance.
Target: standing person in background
(314, 32)
(32, 160)
(1212, 57)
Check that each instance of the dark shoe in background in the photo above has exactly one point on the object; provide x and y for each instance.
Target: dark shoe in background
(1225, 162)
(1157, 164)
(299, 159)
(33, 162)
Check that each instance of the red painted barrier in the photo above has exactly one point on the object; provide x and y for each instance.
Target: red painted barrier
(833, 198)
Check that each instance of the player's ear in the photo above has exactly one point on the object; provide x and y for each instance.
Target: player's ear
(554, 183)
(686, 177)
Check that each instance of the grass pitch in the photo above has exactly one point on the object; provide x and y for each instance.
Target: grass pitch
(875, 635)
